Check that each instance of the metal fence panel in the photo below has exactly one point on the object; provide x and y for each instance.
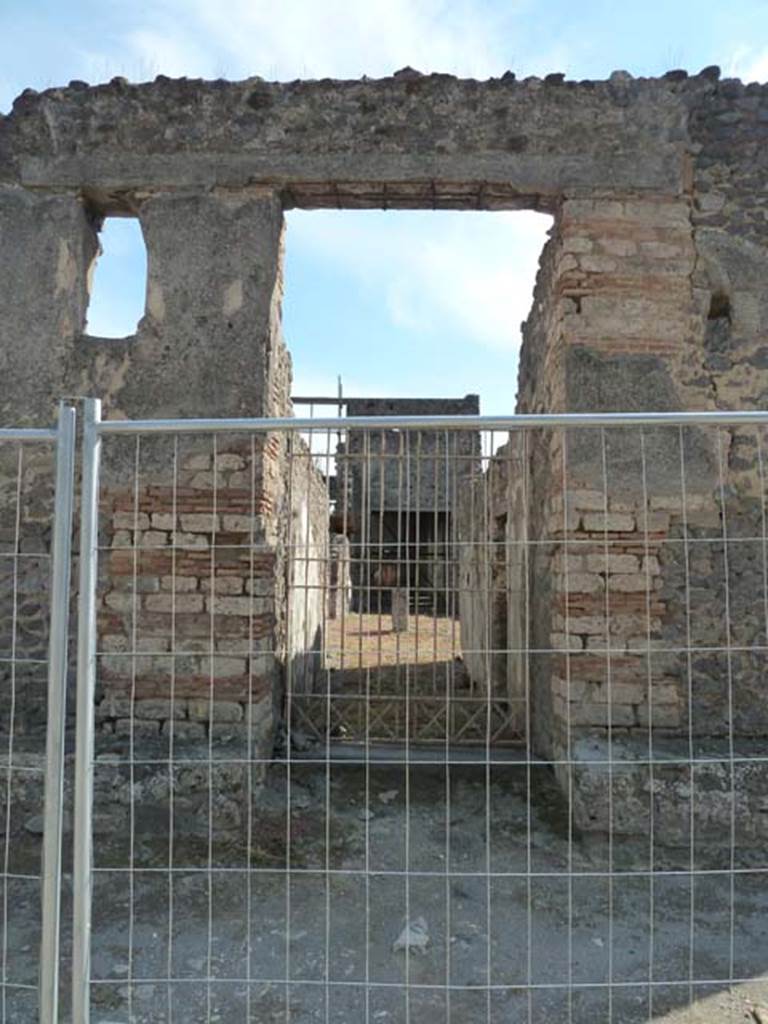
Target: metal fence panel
(491, 748)
(35, 554)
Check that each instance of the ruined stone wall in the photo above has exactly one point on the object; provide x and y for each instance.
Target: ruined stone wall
(405, 470)
(615, 335)
(177, 533)
(307, 544)
(493, 556)
(651, 296)
(188, 608)
(397, 498)
(212, 587)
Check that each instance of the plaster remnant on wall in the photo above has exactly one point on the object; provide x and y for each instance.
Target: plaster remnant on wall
(66, 268)
(155, 301)
(233, 297)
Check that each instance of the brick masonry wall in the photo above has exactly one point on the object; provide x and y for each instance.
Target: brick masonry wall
(653, 304)
(612, 328)
(187, 613)
(213, 575)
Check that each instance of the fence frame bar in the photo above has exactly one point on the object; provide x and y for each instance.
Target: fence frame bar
(82, 873)
(455, 422)
(58, 652)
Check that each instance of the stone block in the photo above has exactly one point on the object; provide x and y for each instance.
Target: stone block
(264, 665)
(585, 624)
(218, 667)
(620, 693)
(612, 522)
(180, 602)
(663, 250)
(612, 563)
(163, 521)
(113, 642)
(601, 643)
(156, 709)
(120, 601)
(256, 725)
(594, 264)
(664, 503)
(198, 461)
(181, 584)
(565, 642)
(222, 711)
(629, 583)
(666, 716)
(139, 728)
(229, 461)
(114, 707)
(232, 645)
(655, 522)
(199, 522)
(137, 584)
(238, 523)
(129, 520)
(577, 244)
(585, 501)
(152, 539)
(665, 693)
(618, 246)
(594, 714)
(580, 583)
(205, 481)
(188, 731)
(238, 606)
(260, 586)
(190, 540)
(222, 585)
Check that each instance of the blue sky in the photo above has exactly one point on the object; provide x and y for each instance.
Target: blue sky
(397, 303)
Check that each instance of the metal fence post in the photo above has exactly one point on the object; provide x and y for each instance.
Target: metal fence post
(57, 697)
(86, 685)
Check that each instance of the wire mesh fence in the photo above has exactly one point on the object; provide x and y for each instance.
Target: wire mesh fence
(423, 722)
(36, 468)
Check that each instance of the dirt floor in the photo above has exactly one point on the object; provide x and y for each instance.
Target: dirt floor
(251, 926)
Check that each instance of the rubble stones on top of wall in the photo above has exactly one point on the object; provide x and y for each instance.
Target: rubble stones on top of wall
(528, 138)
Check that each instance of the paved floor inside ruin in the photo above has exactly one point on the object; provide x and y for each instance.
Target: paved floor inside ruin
(368, 641)
(228, 924)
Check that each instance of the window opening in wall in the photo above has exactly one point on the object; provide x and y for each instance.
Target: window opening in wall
(118, 280)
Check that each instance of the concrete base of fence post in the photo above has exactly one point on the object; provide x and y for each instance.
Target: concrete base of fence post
(400, 610)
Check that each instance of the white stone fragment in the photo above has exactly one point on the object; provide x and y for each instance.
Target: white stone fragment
(413, 938)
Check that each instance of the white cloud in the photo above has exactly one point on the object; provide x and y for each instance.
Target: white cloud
(749, 64)
(303, 39)
(471, 273)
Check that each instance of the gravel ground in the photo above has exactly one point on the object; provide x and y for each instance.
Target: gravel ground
(371, 850)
